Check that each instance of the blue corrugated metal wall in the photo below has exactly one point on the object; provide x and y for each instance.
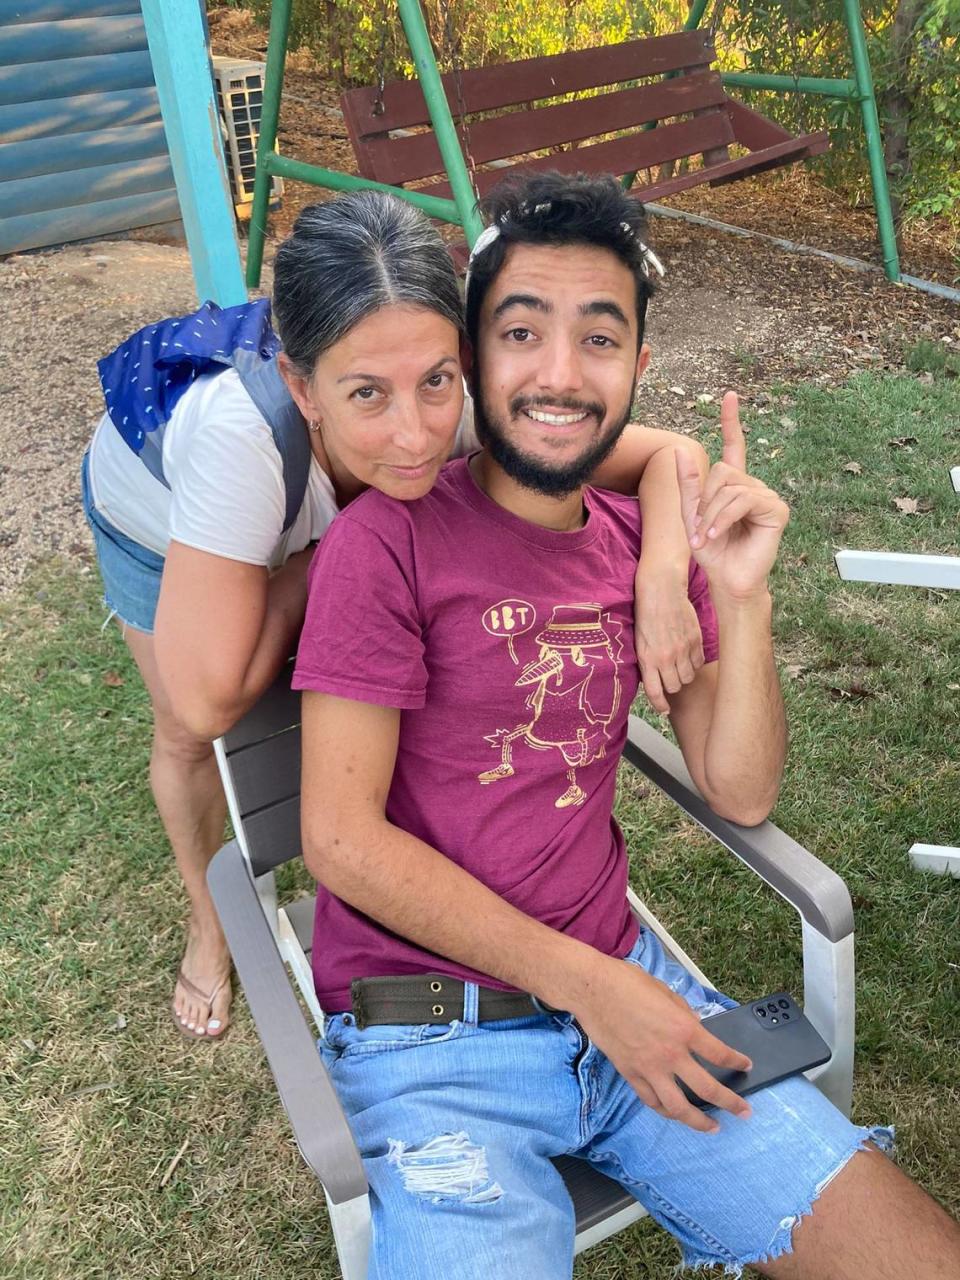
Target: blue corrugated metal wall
(82, 148)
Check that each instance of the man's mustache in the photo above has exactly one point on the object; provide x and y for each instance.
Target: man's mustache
(519, 403)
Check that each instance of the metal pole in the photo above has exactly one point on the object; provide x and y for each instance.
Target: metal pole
(443, 126)
(871, 126)
(177, 38)
(824, 88)
(269, 120)
(697, 10)
(434, 206)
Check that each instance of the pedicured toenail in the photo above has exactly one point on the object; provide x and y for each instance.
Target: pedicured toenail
(213, 1024)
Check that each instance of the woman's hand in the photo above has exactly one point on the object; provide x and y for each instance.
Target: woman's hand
(667, 632)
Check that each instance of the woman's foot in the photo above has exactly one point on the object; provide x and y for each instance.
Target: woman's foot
(202, 996)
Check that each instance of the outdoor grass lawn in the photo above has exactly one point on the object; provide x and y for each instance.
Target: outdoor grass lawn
(100, 1094)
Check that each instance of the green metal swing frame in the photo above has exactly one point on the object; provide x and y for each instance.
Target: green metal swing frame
(461, 209)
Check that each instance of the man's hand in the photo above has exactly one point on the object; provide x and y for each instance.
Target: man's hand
(668, 637)
(649, 1034)
(733, 521)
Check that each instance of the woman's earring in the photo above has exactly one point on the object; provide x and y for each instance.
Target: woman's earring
(314, 424)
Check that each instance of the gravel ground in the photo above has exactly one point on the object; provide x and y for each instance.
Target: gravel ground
(731, 312)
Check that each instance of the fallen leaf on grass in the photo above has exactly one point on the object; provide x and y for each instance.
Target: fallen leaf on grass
(113, 679)
(856, 693)
(854, 468)
(902, 442)
(912, 506)
(120, 1024)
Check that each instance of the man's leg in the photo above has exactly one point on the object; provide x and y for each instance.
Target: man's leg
(872, 1220)
(794, 1191)
(456, 1125)
(189, 796)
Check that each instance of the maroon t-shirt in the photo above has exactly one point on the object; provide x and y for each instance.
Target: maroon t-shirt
(509, 650)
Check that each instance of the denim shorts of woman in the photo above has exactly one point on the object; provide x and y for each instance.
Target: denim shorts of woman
(457, 1125)
(131, 573)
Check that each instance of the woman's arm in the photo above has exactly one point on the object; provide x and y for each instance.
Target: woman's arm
(669, 644)
(223, 631)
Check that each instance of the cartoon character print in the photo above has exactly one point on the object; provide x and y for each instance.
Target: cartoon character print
(574, 688)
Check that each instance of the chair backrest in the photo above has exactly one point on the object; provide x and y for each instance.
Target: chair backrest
(260, 766)
(691, 90)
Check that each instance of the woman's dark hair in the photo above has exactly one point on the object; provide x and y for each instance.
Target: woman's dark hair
(556, 209)
(347, 258)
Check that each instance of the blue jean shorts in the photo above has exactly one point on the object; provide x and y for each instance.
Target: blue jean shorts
(457, 1124)
(131, 573)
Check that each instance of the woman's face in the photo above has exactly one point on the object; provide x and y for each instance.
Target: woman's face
(388, 397)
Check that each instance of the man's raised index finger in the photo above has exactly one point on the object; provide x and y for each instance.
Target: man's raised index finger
(734, 445)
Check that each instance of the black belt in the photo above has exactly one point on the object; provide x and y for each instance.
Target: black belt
(431, 998)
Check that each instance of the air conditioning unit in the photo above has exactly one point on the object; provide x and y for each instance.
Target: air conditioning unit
(240, 100)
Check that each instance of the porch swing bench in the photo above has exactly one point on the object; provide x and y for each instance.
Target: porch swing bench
(659, 103)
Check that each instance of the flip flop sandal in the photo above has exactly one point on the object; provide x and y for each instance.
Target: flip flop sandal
(203, 998)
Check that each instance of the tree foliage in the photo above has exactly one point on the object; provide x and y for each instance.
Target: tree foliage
(914, 48)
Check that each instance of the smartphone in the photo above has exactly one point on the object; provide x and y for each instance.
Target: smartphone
(775, 1036)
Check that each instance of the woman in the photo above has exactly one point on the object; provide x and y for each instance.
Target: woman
(204, 539)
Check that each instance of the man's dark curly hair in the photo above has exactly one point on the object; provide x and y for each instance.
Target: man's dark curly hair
(557, 209)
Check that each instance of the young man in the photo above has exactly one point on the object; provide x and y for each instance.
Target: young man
(469, 674)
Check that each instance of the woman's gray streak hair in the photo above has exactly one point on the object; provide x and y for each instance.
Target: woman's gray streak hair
(347, 258)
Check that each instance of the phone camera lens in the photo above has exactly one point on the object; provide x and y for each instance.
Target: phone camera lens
(784, 1004)
(772, 1007)
(785, 1017)
(761, 1011)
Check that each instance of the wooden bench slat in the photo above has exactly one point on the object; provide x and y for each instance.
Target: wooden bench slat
(401, 160)
(753, 130)
(770, 158)
(740, 166)
(513, 83)
(643, 150)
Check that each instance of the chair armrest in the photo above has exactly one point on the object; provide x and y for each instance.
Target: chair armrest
(319, 1124)
(816, 892)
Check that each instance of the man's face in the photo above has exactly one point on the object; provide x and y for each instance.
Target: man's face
(556, 364)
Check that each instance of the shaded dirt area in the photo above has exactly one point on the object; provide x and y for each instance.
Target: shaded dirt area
(731, 312)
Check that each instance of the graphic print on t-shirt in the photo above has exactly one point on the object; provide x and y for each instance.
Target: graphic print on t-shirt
(573, 684)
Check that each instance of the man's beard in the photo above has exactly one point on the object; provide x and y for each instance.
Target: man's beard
(533, 472)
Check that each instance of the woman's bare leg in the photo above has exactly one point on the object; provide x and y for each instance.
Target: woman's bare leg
(189, 796)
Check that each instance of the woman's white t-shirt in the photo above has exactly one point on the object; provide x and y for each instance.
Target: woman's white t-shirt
(226, 492)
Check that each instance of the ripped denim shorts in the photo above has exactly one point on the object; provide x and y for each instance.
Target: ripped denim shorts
(457, 1125)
